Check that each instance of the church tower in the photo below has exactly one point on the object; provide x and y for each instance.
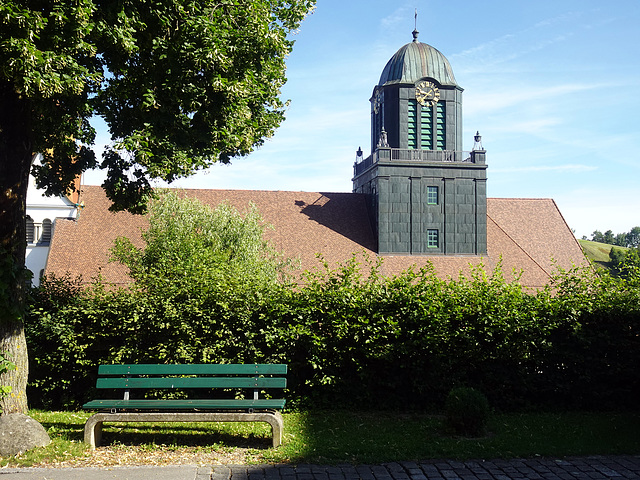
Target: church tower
(424, 194)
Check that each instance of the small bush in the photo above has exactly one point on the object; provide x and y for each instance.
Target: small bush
(467, 411)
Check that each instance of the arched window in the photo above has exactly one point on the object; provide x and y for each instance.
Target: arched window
(46, 232)
(30, 230)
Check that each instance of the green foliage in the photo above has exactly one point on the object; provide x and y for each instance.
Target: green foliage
(181, 85)
(190, 246)
(201, 279)
(630, 239)
(356, 339)
(467, 411)
(174, 103)
(616, 255)
(623, 260)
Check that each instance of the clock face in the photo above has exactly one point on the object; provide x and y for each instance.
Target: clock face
(427, 93)
(377, 101)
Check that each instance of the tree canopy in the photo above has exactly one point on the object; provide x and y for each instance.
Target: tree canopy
(180, 84)
(630, 239)
(192, 247)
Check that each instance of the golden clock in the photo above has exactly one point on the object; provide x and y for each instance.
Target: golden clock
(377, 101)
(427, 93)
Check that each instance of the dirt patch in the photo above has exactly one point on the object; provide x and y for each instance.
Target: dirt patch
(111, 456)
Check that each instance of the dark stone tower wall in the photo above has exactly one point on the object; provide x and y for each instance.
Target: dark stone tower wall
(425, 195)
(402, 216)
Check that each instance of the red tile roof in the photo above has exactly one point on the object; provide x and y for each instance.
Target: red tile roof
(527, 233)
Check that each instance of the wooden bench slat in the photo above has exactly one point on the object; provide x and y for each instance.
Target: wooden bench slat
(182, 404)
(256, 377)
(192, 382)
(194, 369)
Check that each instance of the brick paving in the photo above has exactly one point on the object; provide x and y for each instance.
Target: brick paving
(578, 468)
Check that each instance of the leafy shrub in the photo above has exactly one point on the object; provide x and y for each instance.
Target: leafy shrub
(467, 411)
(351, 336)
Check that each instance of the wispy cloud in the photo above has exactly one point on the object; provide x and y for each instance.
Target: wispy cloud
(514, 45)
(398, 17)
(516, 95)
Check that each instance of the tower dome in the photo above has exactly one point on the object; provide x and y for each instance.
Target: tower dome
(424, 194)
(415, 61)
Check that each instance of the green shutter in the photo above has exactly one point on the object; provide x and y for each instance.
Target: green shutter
(426, 130)
(441, 129)
(412, 129)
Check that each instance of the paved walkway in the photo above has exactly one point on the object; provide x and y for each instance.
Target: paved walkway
(578, 468)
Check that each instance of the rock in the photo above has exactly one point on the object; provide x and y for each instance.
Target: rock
(19, 433)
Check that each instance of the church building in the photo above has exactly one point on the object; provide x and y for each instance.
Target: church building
(417, 199)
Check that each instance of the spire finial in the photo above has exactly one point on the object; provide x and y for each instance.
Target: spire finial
(415, 29)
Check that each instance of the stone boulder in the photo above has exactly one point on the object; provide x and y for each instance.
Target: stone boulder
(19, 433)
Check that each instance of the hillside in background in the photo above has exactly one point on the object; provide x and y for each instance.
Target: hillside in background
(598, 252)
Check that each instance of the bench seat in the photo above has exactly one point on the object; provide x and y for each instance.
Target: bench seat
(183, 404)
(241, 378)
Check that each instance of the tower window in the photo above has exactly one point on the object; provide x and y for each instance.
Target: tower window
(432, 238)
(412, 137)
(432, 195)
(426, 127)
(441, 131)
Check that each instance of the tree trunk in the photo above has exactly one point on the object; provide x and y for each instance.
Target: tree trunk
(15, 162)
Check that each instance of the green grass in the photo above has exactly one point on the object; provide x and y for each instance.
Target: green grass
(337, 437)
(598, 252)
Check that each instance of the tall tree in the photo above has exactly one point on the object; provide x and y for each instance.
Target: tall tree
(633, 238)
(597, 236)
(181, 84)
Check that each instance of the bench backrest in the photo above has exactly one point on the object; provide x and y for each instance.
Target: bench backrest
(254, 376)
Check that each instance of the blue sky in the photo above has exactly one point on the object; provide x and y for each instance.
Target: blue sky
(552, 86)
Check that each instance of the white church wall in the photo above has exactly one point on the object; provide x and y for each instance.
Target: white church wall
(42, 212)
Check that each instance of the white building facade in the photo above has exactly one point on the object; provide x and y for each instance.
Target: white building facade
(42, 212)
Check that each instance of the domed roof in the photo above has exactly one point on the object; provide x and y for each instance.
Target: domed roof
(415, 61)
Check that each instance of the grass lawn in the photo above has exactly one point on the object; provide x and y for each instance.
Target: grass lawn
(333, 437)
(598, 253)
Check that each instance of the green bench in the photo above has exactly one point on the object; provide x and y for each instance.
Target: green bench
(234, 377)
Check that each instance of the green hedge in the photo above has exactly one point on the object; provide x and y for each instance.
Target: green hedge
(355, 339)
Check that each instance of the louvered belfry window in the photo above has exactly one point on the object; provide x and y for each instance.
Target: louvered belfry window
(426, 126)
(441, 129)
(412, 127)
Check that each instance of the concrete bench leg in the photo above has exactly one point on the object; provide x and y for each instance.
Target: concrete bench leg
(277, 426)
(93, 427)
(93, 430)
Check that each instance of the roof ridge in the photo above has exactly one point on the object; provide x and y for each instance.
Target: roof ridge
(521, 198)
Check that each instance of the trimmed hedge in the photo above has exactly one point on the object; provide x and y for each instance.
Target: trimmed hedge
(353, 338)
